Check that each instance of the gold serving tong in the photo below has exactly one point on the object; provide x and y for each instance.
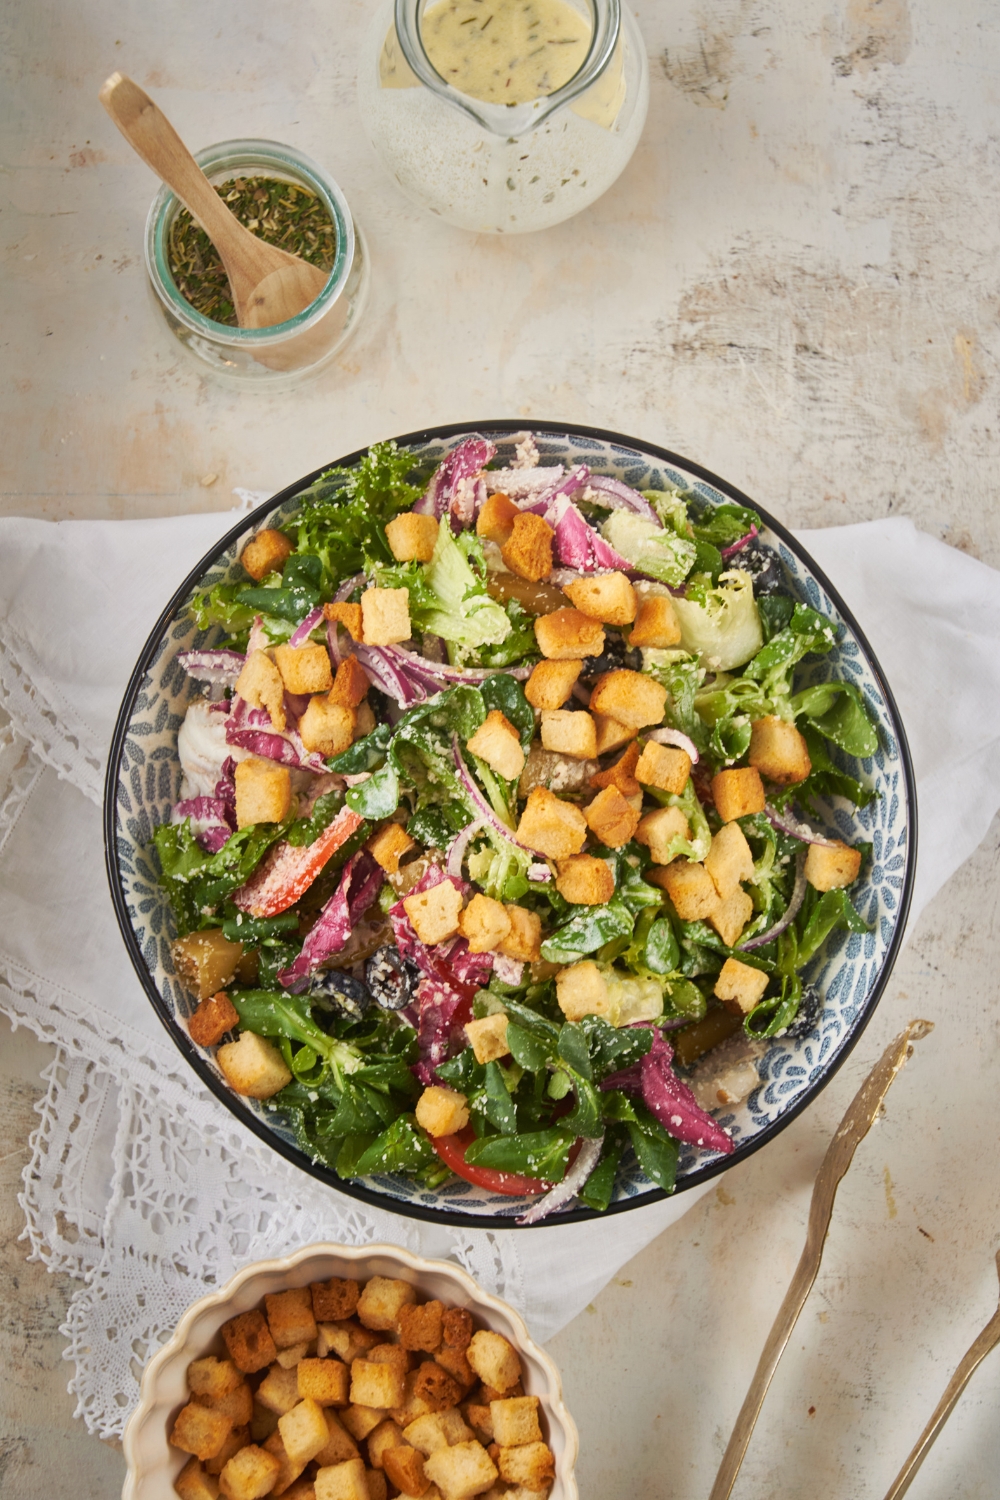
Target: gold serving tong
(851, 1131)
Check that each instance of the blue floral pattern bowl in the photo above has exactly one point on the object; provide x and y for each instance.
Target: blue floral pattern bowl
(849, 973)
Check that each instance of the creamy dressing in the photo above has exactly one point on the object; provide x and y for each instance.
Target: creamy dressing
(506, 51)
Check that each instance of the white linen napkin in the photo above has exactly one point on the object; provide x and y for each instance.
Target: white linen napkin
(141, 1182)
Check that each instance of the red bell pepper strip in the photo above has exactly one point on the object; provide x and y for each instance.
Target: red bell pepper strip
(286, 872)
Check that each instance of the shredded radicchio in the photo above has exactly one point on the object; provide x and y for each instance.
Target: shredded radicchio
(359, 884)
(462, 463)
(577, 544)
(251, 729)
(670, 1099)
(209, 821)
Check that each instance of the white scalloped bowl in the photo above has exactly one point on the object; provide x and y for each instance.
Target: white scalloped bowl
(153, 1464)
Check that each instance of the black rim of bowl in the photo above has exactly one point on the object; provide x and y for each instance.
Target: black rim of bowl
(233, 1102)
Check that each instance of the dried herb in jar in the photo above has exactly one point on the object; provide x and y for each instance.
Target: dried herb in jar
(282, 213)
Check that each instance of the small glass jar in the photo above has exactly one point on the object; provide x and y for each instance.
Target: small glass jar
(285, 353)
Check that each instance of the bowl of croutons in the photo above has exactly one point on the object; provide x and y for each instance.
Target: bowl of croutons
(339, 1373)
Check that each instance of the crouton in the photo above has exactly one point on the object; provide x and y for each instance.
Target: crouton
(531, 1465)
(213, 1019)
(236, 1404)
(611, 819)
(262, 1423)
(305, 669)
(206, 960)
(606, 596)
(413, 1406)
(568, 635)
(249, 1342)
(515, 1421)
(488, 1037)
(361, 1420)
(629, 698)
(480, 1419)
(412, 537)
(350, 684)
(213, 1377)
(199, 1430)
(379, 1304)
(279, 1390)
(737, 793)
(325, 1381)
(739, 986)
(442, 1111)
(267, 552)
(344, 1481)
(551, 826)
(378, 1488)
(655, 624)
(293, 1355)
(404, 1467)
(334, 1300)
(346, 1339)
(827, 869)
(437, 1430)
(484, 923)
(778, 751)
(691, 889)
(461, 1471)
(260, 684)
(524, 941)
(584, 880)
(290, 1317)
(325, 727)
(434, 913)
(495, 521)
(387, 1434)
(569, 733)
(731, 916)
(434, 1385)
(729, 860)
(496, 742)
(249, 1474)
(581, 990)
(376, 1385)
(348, 615)
(289, 1470)
(339, 1445)
(391, 1354)
(385, 616)
(263, 791)
(456, 1324)
(388, 846)
(303, 1431)
(420, 1324)
(455, 1362)
(658, 830)
(664, 766)
(364, 720)
(253, 1067)
(611, 735)
(622, 773)
(551, 683)
(193, 1483)
(528, 550)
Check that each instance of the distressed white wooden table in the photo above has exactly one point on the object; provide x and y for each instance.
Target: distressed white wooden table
(795, 284)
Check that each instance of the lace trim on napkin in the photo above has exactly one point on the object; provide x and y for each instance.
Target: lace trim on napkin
(54, 731)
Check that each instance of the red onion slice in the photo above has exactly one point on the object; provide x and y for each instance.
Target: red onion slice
(457, 848)
(790, 824)
(791, 910)
(479, 801)
(587, 1158)
(738, 546)
(302, 632)
(675, 737)
(440, 671)
(347, 588)
(220, 668)
(620, 496)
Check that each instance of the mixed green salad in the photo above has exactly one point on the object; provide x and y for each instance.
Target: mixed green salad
(492, 819)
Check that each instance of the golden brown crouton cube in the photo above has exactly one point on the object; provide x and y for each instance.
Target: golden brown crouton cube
(199, 1430)
(237, 1439)
(404, 1467)
(213, 1377)
(213, 1019)
(484, 923)
(495, 521)
(515, 1421)
(584, 880)
(528, 550)
(731, 916)
(344, 1481)
(335, 1300)
(387, 1434)
(249, 1342)
(569, 733)
(378, 1489)
(737, 793)
(376, 1385)
(290, 1317)
(348, 615)
(385, 616)
(605, 596)
(530, 1465)
(340, 1445)
(326, 1381)
(568, 635)
(304, 669)
(778, 751)
(347, 1339)
(457, 1325)
(412, 537)
(435, 912)
(551, 683)
(435, 1386)
(364, 720)
(691, 889)
(379, 1305)
(420, 1326)
(437, 1430)
(303, 1431)
(267, 552)
(488, 1037)
(655, 623)
(455, 1362)
(828, 869)
(611, 819)
(442, 1111)
(461, 1471)
(657, 830)
(413, 1406)
(262, 1423)
(253, 1067)
(629, 698)
(581, 990)
(524, 941)
(551, 826)
(325, 727)
(622, 773)
(663, 766)
(289, 1469)
(739, 986)
(293, 1355)
(610, 734)
(206, 960)
(391, 1354)
(388, 846)
(729, 860)
(260, 684)
(350, 684)
(249, 1474)
(279, 1390)
(480, 1419)
(496, 742)
(263, 791)
(304, 1489)
(236, 1404)
(193, 1483)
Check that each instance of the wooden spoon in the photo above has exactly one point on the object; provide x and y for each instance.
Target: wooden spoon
(268, 285)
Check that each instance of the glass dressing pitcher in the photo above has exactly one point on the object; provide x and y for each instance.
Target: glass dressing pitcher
(491, 166)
